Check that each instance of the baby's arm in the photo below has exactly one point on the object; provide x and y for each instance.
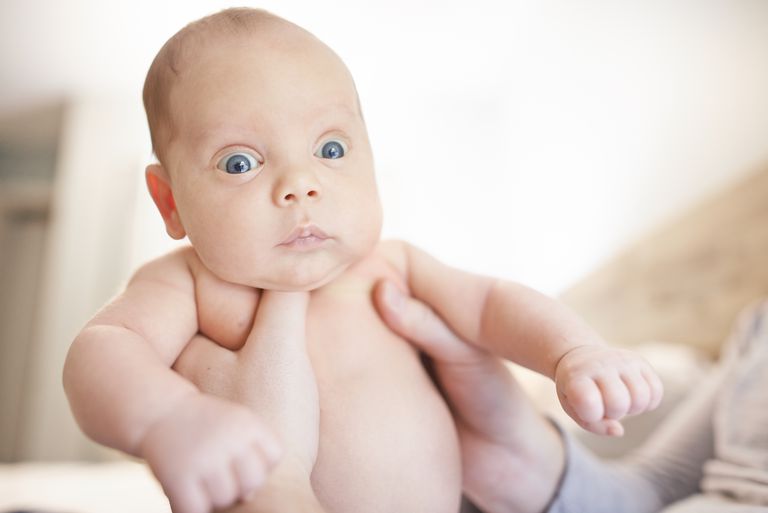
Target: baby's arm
(596, 384)
(123, 394)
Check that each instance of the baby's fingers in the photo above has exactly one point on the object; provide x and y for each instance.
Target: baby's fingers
(603, 426)
(238, 478)
(640, 393)
(221, 486)
(645, 390)
(582, 400)
(616, 396)
(655, 386)
(251, 471)
(188, 497)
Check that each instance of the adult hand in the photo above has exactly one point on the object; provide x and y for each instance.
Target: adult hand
(512, 457)
(272, 376)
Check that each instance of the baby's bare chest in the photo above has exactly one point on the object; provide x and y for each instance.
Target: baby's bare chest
(382, 420)
(348, 343)
(387, 440)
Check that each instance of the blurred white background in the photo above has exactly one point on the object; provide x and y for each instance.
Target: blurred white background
(528, 139)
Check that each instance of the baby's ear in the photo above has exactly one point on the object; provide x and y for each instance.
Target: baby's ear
(159, 185)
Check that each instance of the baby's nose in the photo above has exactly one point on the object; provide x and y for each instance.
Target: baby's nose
(309, 193)
(296, 187)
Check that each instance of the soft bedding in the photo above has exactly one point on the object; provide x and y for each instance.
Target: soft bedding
(114, 487)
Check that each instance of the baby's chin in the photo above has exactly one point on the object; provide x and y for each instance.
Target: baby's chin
(292, 271)
(299, 283)
(292, 279)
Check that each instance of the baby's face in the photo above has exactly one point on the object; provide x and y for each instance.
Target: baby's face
(270, 163)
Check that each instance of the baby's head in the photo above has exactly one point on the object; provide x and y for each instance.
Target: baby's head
(265, 162)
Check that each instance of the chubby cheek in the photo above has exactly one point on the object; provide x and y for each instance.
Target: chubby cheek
(229, 241)
(231, 256)
(364, 219)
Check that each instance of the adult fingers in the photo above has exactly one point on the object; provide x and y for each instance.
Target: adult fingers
(280, 320)
(418, 323)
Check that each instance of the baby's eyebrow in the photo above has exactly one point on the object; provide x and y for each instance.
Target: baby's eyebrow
(230, 132)
(219, 131)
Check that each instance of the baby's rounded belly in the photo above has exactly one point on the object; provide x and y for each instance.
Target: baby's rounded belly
(388, 443)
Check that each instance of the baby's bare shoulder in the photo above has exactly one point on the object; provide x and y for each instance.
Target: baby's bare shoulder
(172, 269)
(223, 311)
(157, 304)
(167, 278)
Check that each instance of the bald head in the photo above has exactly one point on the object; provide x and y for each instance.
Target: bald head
(178, 59)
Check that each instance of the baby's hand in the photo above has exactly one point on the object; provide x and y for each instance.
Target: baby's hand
(598, 385)
(209, 453)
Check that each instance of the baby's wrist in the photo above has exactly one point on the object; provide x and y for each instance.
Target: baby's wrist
(563, 359)
(170, 412)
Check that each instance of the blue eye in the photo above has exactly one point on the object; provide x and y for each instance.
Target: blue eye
(331, 150)
(237, 163)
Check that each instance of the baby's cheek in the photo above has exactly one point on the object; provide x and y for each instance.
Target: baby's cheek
(369, 221)
(364, 240)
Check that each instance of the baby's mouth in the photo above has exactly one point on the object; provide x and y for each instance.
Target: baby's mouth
(306, 236)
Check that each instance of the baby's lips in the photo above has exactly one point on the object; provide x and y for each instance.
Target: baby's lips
(304, 231)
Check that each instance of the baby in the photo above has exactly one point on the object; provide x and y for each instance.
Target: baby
(265, 165)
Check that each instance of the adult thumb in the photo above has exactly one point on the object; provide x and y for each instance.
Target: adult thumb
(279, 324)
(418, 323)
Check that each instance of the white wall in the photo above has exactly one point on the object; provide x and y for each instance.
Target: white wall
(535, 140)
(530, 139)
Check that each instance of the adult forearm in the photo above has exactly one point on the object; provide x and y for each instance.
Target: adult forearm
(118, 387)
(572, 482)
(519, 474)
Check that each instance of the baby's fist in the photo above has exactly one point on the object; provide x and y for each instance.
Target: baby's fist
(209, 453)
(598, 385)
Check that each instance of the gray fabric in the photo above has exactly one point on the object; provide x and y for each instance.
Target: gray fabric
(713, 504)
(593, 486)
(710, 456)
(740, 467)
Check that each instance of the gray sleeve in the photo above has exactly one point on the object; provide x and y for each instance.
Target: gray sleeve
(590, 485)
(665, 469)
